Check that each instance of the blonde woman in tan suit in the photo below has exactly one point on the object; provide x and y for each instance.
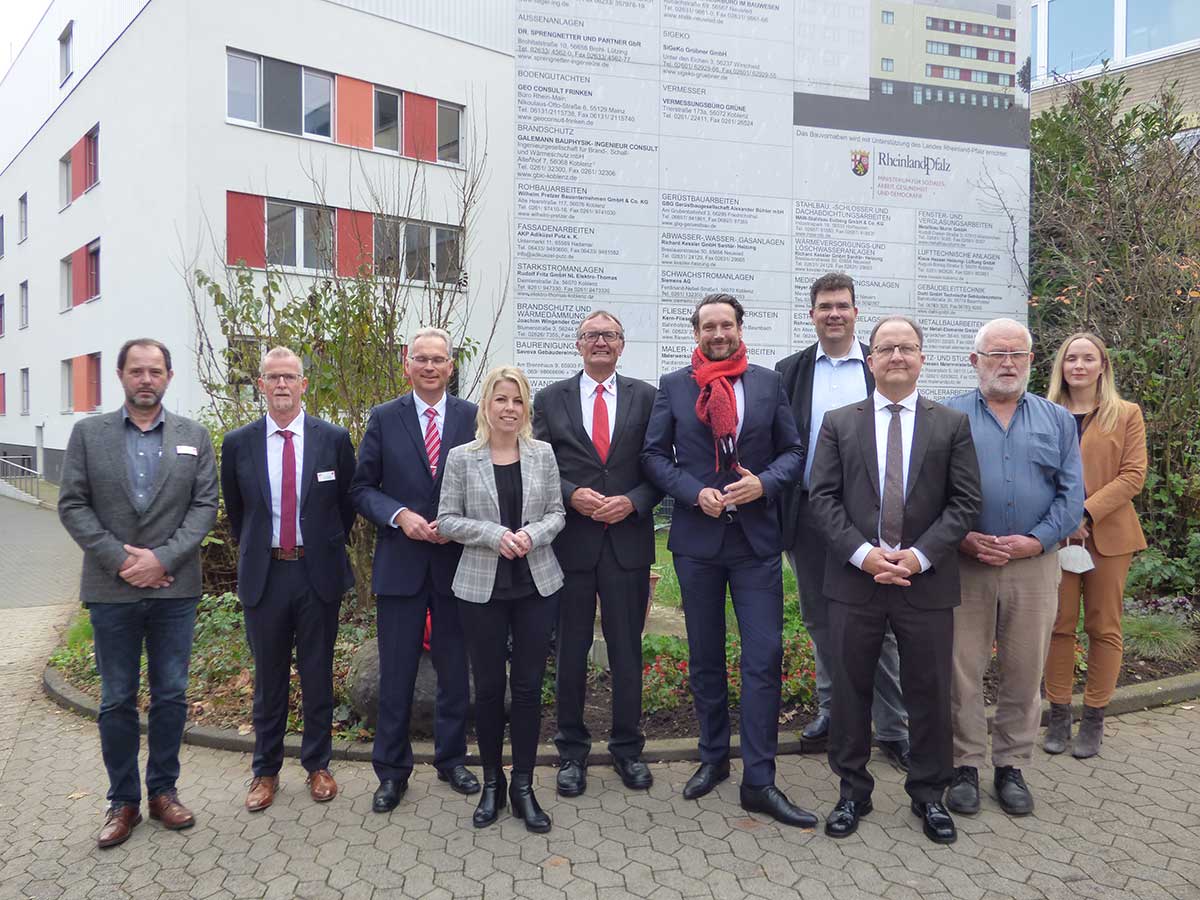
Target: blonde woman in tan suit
(1112, 443)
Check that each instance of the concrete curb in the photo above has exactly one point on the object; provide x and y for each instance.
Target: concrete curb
(1130, 698)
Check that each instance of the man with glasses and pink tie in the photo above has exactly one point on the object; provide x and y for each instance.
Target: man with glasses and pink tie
(397, 486)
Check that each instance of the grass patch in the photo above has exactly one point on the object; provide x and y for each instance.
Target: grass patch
(1158, 637)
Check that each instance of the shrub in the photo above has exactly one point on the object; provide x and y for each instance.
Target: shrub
(1158, 637)
(664, 684)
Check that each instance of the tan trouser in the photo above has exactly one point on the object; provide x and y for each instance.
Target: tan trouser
(1013, 606)
(1103, 590)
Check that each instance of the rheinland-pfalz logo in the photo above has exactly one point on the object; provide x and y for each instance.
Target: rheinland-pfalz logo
(860, 162)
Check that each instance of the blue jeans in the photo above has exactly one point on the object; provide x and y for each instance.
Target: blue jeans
(166, 627)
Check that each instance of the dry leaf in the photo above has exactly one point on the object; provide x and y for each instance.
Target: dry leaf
(78, 795)
(1187, 707)
(245, 729)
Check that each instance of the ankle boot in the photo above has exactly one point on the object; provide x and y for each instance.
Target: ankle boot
(525, 805)
(1058, 730)
(1091, 733)
(491, 799)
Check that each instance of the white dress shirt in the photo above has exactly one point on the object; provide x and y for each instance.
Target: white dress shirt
(837, 381)
(739, 396)
(883, 420)
(275, 471)
(423, 423)
(587, 401)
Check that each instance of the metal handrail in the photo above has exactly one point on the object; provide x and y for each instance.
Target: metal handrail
(21, 477)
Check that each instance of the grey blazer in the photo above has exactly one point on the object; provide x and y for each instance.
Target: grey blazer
(469, 513)
(95, 505)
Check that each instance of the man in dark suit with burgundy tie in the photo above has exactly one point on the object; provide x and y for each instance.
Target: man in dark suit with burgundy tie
(286, 481)
(895, 486)
(596, 422)
(397, 486)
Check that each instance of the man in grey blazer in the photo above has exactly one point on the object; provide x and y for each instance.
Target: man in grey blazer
(139, 493)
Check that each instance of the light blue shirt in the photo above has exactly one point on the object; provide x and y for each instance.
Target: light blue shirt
(836, 383)
(1031, 472)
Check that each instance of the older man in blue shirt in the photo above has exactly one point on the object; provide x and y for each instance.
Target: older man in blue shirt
(1032, 499)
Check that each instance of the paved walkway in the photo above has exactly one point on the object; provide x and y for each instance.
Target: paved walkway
(1123, 825)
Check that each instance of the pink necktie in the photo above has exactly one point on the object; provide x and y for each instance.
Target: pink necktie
(433, 440)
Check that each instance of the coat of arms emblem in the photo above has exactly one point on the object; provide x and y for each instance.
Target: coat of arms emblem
(860, 162)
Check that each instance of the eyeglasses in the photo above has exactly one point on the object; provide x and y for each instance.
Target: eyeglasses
(285, 377)
(1012, 356)
(591, 337)
(427, 360)
(886, 350)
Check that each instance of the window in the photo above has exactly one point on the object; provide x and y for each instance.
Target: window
(65, 64)
(3, 395)
(939, 95)
(967, 52)
(23, 311)
(281, 107)
(66, 292)
(449, 129)
(887, 64)
(888, 17)
(1, 315)
(979, 77)
(950, 72)
(22, 218)
(64, 182)
(1154, 24)
(387, 246)
(241, 87)
(1080, 34)
(449, 256)
(887, 87)
(24, 392)
(974, 99)
(951, 97)
(938, 47)
(92, 158)
(1, 237)
(387, 121)
(1005, 80)
(416, 251)
(93, 381)
(299, 236)
(93, 270)
(66, 375)
(318, 104)
(930, 23)
(917, 101)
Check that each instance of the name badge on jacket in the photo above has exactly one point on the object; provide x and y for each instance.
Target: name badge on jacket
(185, 450)
(326, 476)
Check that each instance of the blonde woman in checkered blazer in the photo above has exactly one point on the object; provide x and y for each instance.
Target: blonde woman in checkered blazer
(502, 500)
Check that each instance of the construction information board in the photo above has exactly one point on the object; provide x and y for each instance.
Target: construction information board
(667, 149)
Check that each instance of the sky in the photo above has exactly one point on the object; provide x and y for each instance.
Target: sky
(17, 20)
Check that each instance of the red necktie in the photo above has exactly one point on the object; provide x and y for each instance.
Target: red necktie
(433, 440)
(600, 424)
(287, 496)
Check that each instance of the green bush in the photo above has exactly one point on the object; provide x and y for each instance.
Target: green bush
(1158, 637)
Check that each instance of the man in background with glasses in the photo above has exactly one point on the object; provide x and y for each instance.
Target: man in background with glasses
(398, 485)
(596, 422)
(286, 481)
(1032, 499)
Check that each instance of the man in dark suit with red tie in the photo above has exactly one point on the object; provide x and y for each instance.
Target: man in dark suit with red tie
(596, 422)
(397, 486)
(895, 486)
(286, 481)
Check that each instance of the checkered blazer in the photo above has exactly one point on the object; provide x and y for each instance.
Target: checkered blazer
(469, 513)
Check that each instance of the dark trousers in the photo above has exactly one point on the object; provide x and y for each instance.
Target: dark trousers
(623, 597)
(290, 613)
(165, 626)
(926, 641)
(400, 622)
(530, 620)
(756, 584)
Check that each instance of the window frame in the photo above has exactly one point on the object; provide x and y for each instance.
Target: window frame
(23, 305)
(258, 88)
(399, 95)
(305, 71)
(67, 387)
(887, 64)
(66, 53)
(1, 315)
(887, 17)
(300, 266)
(64, 182)
(23, 218)
(431, 229)
(66, 284)
(462, 133)
(1, 237)
(91, 158)
(887, 87)
(25, 391)
(93, 271)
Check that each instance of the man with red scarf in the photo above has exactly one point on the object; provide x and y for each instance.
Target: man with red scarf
(722, 441)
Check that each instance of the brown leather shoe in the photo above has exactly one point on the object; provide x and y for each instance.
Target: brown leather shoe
(262, 792)
(167, 809)
(321, 785)
(119, 820)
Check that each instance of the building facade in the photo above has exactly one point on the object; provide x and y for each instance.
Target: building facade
(150, 139)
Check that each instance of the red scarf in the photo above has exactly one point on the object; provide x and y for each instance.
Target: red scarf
(716, 406)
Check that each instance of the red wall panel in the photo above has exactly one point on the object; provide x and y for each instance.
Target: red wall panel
(78, 167)
(3, 394)
(355, 112)
(420, 127)
(355, 241)
(80, 395)
(245, 229)
(79, 279)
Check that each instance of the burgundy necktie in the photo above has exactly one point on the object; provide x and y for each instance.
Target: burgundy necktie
(600, 424)
(433, 440)
(287, 496)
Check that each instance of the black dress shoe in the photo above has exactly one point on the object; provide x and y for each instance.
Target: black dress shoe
(572, 778)
(963, 794)
(772, 801)
(707, 777)
(460, 778)
(897, 753)
(843, 821)
(939, 827)
(388, 794)
(1012, 792)
(634, 773)
(817, 729)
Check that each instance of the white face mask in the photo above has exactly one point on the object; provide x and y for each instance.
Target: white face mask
(1075, 558)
